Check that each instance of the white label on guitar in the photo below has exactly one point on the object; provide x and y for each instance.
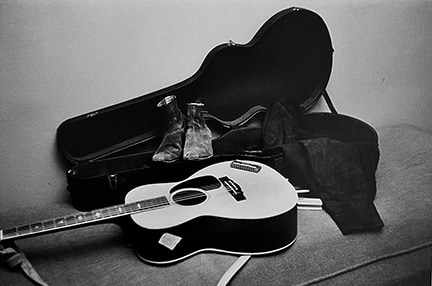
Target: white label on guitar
(169, 240)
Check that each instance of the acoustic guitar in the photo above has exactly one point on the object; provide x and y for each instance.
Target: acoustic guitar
(237, 207)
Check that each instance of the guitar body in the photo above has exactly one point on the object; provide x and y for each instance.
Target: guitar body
(224, 207)
(239, 207)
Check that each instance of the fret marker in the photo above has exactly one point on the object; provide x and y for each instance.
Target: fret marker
(97, 214)
(80, 217)
(120, 210)
(139, 205)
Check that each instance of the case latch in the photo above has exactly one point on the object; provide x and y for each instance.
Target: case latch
(231, 43)
(113, 182)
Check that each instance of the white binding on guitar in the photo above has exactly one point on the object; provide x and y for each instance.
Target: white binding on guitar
(239, 207)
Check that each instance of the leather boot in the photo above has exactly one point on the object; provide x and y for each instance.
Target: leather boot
(171, 147)
(198, 144)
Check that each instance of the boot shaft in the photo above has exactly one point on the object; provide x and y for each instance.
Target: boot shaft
(170, 149)
(198, 136)
(195, 116)
(173, 113)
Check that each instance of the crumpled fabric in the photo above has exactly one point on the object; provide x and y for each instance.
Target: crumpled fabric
(15, 259)
(341, 174)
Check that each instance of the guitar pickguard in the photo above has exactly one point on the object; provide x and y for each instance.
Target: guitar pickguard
(206, 183)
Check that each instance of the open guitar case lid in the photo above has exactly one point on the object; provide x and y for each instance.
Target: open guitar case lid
(290, 56)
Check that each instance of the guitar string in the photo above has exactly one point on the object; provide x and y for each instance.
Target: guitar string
(93, 212)
(198, 194)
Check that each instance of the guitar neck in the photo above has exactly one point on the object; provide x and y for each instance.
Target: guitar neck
(82, 218)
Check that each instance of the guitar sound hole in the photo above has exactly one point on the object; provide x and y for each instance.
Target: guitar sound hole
(189, 197)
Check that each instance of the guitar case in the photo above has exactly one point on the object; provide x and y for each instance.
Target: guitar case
(289, 58)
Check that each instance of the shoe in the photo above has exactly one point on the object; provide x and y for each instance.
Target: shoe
(171, 147)
(198, 138)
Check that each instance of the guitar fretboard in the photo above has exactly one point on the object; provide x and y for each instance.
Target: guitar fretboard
(82, 218)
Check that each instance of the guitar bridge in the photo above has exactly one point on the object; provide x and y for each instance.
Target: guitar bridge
(245, 166)
(233, 188)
